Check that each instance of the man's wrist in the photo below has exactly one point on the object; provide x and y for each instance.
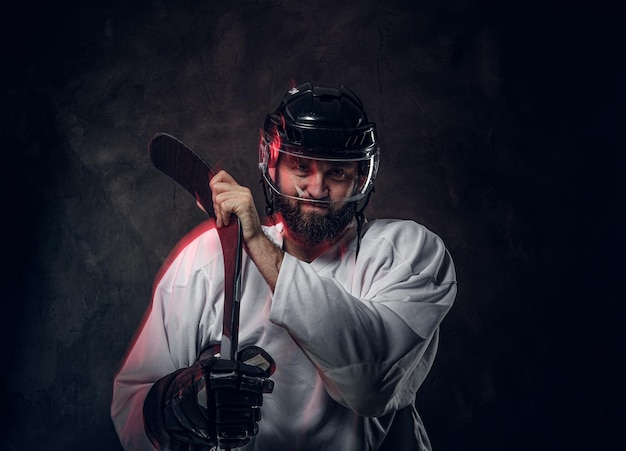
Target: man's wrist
(266, 256)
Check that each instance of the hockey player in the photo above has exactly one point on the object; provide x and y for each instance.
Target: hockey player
(342, 313)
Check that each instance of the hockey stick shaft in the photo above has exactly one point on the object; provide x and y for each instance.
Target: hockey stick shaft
(179, 162)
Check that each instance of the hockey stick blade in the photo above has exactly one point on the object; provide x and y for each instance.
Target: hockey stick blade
(173, 158)
(179, 162)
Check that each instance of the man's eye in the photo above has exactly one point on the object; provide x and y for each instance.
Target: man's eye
(301, 167)
(340, 174)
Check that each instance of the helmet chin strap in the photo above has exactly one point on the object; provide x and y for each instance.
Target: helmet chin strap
(269, 198)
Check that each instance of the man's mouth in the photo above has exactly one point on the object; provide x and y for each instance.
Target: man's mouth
(315, 206)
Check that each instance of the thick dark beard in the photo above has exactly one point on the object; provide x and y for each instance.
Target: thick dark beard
(311, 229)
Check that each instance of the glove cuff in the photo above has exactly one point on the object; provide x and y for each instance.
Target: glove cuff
(154, 413)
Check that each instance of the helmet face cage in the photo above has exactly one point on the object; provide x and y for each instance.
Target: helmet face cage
(270, 152)
(322, 124)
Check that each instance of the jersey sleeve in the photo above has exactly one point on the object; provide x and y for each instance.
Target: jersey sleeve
(373, 336)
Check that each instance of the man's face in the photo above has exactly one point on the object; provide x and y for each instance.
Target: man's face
(313, 223)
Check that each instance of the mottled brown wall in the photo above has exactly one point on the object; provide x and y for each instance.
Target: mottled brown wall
(500, 128)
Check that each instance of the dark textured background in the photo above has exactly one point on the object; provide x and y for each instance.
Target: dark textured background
(502, 129)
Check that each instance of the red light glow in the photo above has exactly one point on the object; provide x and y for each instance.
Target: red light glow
(274, 148)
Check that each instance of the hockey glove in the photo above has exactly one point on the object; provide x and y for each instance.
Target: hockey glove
(213, 402)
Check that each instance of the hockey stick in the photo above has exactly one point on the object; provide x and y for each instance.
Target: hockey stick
(187, 168)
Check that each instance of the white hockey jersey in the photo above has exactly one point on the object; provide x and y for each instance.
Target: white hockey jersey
(353, 338)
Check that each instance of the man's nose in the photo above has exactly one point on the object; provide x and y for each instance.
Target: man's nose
(316, 185)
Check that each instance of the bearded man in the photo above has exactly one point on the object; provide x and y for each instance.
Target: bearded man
(344, 312)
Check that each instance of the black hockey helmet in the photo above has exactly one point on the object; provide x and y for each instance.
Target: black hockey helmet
(323, 124)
